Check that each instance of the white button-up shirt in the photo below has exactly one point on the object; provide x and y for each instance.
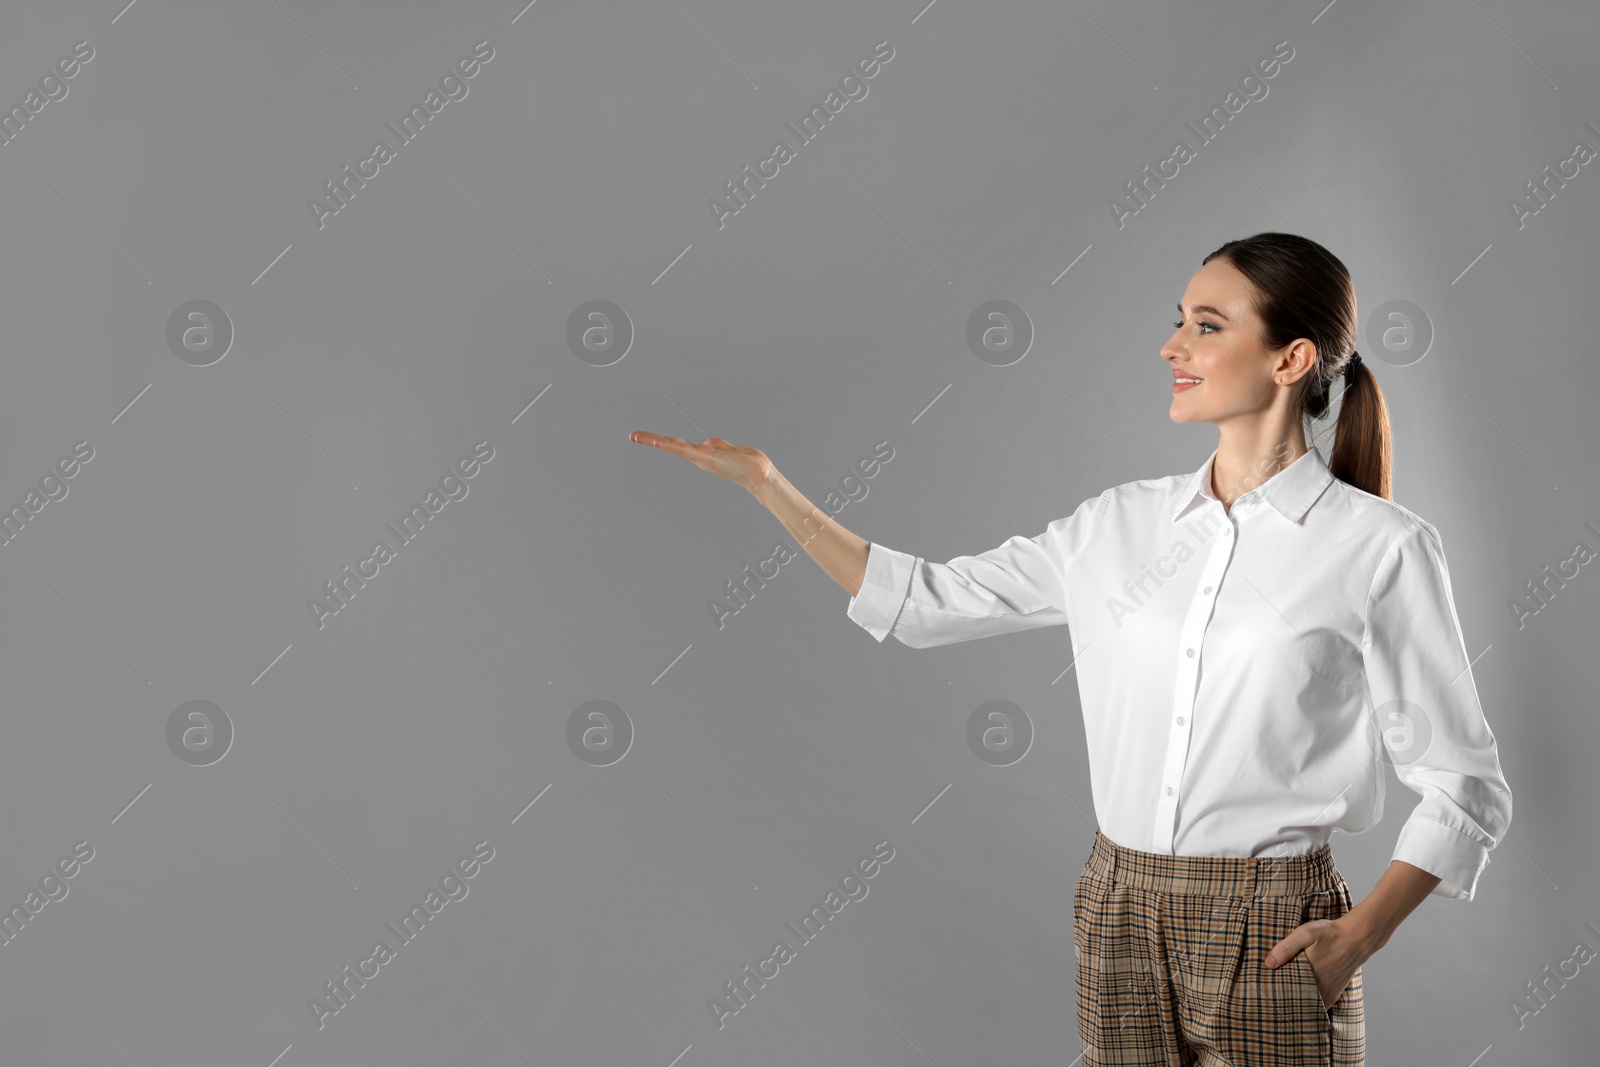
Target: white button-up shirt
(1244, 676)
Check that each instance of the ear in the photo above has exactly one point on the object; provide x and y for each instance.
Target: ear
(1297, 359)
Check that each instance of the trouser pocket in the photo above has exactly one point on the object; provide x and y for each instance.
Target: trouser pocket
(1347, 1019)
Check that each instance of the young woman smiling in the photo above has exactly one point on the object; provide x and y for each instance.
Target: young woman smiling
(1247, 707)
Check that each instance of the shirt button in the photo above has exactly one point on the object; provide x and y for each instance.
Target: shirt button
(1208, 589)
(1169, 790)
(1180, 720)
(1191, 653)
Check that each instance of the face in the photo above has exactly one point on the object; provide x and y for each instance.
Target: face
(1218, 340)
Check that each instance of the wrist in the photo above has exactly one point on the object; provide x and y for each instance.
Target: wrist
(769, 488)
(1368, 928)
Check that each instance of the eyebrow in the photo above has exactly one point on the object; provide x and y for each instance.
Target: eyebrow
(1205, 307)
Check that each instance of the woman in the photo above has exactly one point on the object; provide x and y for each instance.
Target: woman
(1253, 641)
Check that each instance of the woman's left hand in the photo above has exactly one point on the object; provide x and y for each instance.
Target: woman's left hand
(1333, 947)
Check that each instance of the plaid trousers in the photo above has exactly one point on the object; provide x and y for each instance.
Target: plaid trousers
(1169, 952)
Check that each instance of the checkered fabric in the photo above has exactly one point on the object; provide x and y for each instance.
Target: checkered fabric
(1169, 955)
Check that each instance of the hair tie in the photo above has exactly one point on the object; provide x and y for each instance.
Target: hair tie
(1351, 365)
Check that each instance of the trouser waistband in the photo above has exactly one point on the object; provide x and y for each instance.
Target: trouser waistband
(1233, 876)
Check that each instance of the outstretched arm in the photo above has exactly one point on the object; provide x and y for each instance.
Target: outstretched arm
(1019, 585)
(837, 551)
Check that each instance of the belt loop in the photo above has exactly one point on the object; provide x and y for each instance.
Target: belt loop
(1111, 861)
(1250, 866)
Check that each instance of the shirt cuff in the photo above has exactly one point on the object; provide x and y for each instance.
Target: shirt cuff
(876, 607)
(1441, 850)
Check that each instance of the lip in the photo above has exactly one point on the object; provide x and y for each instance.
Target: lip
(1184, 387)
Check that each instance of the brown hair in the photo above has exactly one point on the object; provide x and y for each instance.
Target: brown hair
(1302, 290)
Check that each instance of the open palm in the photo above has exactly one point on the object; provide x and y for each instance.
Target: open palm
(740, 464)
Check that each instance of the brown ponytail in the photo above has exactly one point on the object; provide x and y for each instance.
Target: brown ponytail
(1302, 290)
(1361, 442)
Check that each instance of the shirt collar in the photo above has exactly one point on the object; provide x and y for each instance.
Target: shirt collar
(1291, 491)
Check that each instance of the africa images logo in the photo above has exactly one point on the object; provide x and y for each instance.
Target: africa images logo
(452, 486)
(342, 988)
(452, 87)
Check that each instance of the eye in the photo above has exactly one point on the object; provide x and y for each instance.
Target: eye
(1178, 325)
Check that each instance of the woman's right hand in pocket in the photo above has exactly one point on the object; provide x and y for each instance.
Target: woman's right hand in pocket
(740, 464)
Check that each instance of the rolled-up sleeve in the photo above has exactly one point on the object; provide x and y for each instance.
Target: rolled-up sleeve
(1420, 683)
(1018, 585)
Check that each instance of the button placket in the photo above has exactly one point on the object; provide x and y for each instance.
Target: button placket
(1191, 640)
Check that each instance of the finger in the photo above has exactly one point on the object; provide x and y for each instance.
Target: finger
(701, 455)
(1288, 948)
(661, 441)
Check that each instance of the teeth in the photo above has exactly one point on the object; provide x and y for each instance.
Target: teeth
(1186, 379)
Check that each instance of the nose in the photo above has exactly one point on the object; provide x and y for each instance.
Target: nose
(1170, 351)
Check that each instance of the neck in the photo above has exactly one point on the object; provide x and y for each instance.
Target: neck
(1249, 456)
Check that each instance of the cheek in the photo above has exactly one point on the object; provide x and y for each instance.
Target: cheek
(1235, 373)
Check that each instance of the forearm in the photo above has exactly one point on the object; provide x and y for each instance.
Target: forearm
(1402, 887)
(837, 551)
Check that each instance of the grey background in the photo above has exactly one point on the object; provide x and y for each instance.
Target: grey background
(827, 316)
